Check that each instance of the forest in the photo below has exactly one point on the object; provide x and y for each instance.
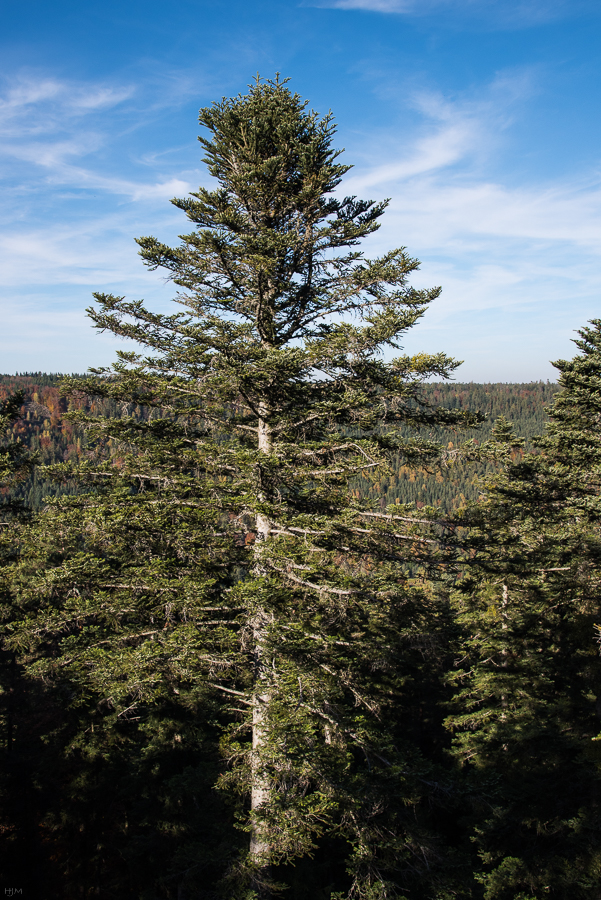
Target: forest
(286, 612)
(42, 429)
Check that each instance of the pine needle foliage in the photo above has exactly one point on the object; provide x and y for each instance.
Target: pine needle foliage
(226, 556)
(529, 682)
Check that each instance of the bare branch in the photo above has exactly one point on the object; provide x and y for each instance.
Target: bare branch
(315, 587)
(239, 694)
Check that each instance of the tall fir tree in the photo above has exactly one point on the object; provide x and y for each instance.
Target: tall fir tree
(228, 554)
(528, 705)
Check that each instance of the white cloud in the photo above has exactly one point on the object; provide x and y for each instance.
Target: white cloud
(431, 153)
(443, 213)
(504, 13)
(444, 198)
(39, 105)
(49, 126)
(75, 176)
(451, 132)
(385, 6)
(93, 251)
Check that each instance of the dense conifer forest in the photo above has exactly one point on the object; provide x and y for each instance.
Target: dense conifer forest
(283, 614)
(42, 428)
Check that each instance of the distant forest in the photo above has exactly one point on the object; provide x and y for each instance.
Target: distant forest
(44, 430)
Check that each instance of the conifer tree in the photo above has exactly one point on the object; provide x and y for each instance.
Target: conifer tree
(229, 553)
(529, 687)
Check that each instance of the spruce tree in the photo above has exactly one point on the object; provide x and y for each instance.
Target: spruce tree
(526, 713)
(229, 552)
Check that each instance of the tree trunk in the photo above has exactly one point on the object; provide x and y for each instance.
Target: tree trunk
(259, 845)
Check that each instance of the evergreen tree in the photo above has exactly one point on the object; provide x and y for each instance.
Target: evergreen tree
(529, 686)
(116, 727)
(227, 555)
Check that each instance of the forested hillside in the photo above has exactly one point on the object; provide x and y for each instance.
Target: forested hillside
(44, 429)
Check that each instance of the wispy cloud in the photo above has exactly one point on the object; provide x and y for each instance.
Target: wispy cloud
(51, 126)
(567, 213)
(440, 181)
(63, 102)
(506, 13)
(447, 132)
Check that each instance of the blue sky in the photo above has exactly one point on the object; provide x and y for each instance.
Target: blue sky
(480, 119)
